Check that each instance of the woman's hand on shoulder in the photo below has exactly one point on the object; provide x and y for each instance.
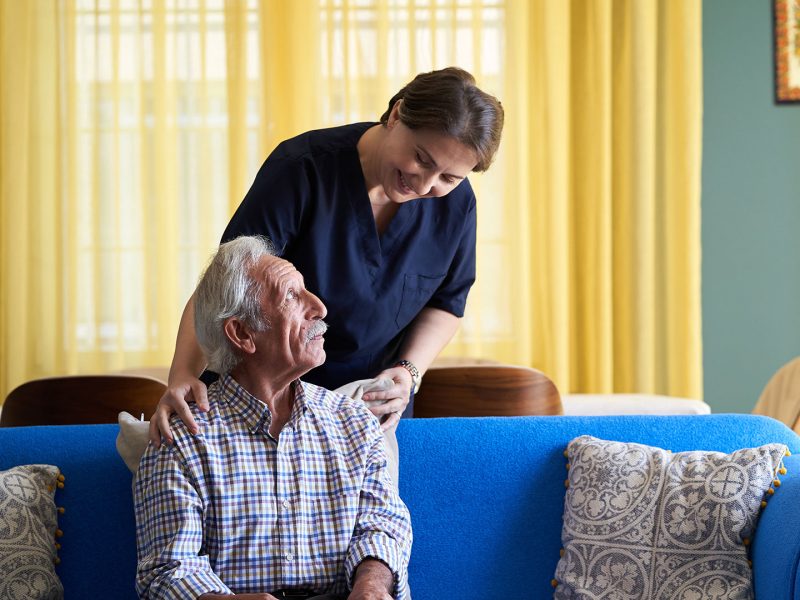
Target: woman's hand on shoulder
(396, 397)
(176, 400)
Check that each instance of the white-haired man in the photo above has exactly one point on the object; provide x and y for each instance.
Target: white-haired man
(284, 492)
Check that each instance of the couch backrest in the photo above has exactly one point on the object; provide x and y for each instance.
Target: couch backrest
(98, 548)
(485, 495)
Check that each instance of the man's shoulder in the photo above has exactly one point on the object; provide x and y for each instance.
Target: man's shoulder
(335, 405)
(218, 415)
(319, 396)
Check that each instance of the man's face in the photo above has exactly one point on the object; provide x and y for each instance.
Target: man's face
(294, 341)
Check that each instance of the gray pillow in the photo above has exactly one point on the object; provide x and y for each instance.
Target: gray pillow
(643, 523)
(27, 533)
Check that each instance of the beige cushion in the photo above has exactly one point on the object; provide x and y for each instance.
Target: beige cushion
(641, 522)
(631, 404)
(27, 533)
(132, 439)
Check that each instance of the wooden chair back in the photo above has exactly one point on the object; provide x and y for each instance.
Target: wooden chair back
(79, 399)
(780, 398)
(480, 390)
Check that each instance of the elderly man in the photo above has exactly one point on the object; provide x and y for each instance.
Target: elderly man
(284, 491)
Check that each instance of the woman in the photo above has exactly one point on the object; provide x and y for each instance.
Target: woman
(380, 220)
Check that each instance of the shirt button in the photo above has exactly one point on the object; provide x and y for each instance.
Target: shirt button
(285, 504)
(289, 556)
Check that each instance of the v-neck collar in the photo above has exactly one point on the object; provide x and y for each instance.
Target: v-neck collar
(375, 246)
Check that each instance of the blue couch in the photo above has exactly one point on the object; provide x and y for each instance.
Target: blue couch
(485, 496)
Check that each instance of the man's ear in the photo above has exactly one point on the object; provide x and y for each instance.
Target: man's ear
(239, 335)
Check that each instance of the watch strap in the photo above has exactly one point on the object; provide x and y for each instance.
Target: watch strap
(412, 370)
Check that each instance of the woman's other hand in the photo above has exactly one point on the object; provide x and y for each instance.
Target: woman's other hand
(176, 400)
(395, 399)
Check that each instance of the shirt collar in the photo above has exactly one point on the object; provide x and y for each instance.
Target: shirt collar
(253, 411)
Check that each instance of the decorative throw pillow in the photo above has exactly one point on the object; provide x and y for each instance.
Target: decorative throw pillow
(643, 523)
(27, 533)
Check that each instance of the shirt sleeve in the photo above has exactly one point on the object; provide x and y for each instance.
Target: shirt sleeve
(275, 204)
(383, 525)
(169, 531)
(451, 295)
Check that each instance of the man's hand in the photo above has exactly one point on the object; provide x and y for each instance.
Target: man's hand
(366, 594)
(397, 397)
(373, 581)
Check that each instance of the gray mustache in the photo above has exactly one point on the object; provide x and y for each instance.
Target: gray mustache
(317, 329)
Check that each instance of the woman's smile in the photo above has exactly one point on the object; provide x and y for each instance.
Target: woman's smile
(404, 187)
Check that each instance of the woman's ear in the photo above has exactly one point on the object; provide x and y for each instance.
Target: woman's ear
(239, 335)
(394, 114)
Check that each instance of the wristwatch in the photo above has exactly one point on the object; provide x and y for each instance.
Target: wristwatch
(413, 370)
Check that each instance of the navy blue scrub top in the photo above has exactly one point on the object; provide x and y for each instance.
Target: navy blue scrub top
(310, 199)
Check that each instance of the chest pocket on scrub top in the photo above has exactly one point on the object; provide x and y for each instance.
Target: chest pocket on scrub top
(417, 290)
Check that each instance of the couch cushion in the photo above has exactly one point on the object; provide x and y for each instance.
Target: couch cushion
(98, 549)
(642, 522)
(28, 527)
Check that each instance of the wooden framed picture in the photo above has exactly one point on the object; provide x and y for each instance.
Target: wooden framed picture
(787, 50)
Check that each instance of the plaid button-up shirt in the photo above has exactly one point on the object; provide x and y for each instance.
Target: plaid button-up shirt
(233, 510)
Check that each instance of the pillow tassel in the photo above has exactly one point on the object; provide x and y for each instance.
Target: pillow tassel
(562, 551)
(59, 510)
(781, 470)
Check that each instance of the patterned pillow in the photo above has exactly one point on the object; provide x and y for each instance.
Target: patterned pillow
(27, 533)
(643, 523)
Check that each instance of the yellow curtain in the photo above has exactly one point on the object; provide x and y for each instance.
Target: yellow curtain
(131, 130)
(31, 239)
(604, 143)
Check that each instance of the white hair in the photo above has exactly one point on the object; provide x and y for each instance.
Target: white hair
(227, 289)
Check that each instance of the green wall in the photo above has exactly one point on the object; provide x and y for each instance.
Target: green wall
(750, 210)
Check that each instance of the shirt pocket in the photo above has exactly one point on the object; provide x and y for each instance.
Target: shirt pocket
(417, 290)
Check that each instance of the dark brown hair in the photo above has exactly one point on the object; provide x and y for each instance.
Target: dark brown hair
(448, 101)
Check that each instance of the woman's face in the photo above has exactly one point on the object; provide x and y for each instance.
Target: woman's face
(421, 163)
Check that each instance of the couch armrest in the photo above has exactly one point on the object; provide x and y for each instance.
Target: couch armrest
(776, 546)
